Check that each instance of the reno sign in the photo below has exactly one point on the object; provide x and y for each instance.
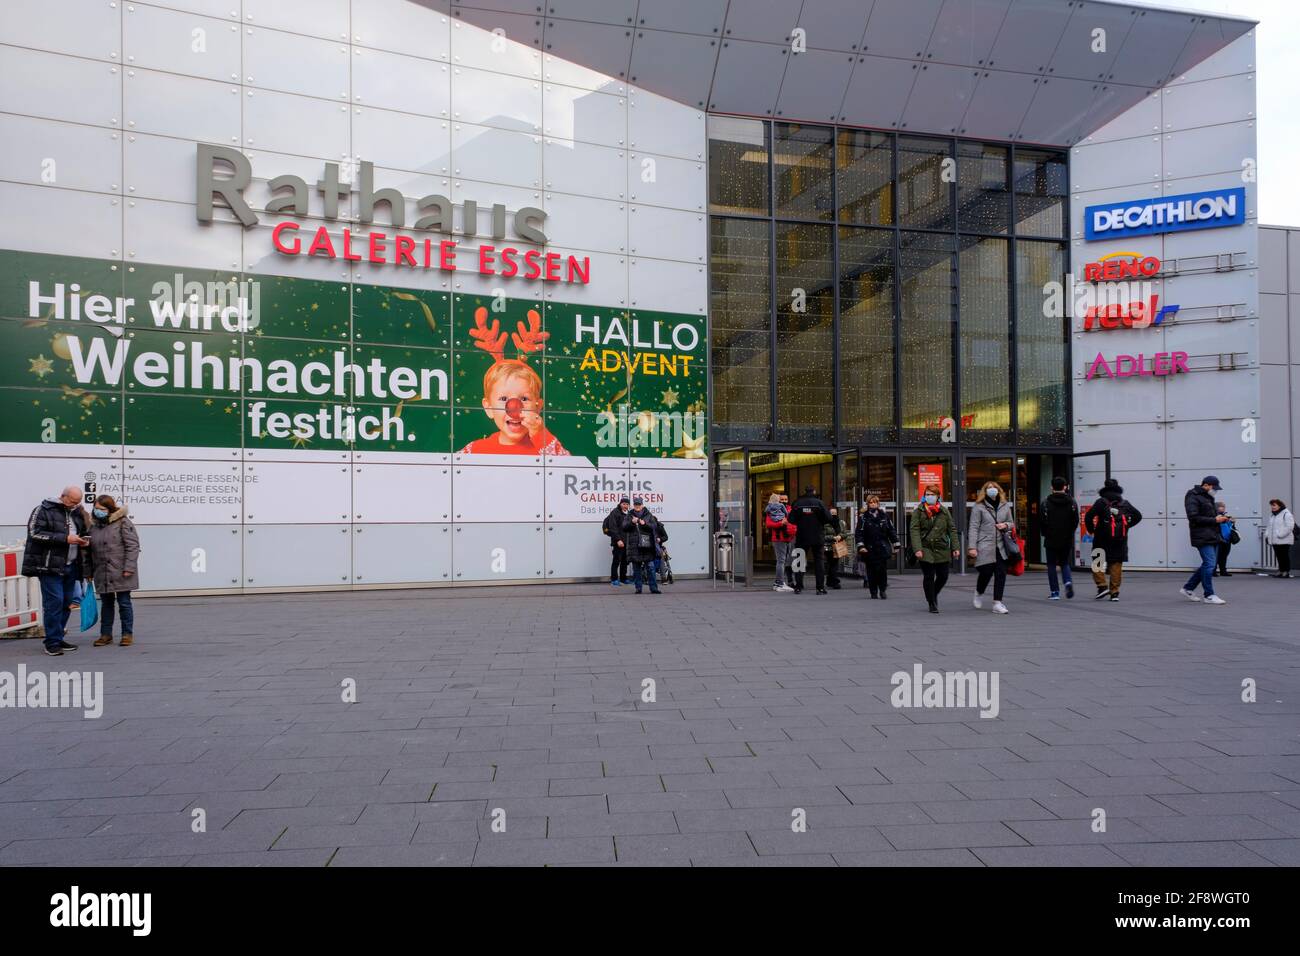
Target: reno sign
(1145, 217)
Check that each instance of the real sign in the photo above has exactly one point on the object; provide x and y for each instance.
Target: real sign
(1144, 217)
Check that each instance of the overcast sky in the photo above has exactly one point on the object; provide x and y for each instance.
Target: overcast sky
(1277, 45)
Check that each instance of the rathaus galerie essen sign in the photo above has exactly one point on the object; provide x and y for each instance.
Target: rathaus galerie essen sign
(375, 247)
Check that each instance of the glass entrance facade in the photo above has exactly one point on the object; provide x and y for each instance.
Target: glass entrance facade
(879, 298)
(869, 288)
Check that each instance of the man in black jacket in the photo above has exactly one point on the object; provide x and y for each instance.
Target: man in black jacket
(1059, 516)
(1109, 521)
(613, 529)
(1203, 521)
(56, 553)
(808, 514)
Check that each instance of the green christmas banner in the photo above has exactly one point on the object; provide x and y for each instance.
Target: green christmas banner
(95, 352)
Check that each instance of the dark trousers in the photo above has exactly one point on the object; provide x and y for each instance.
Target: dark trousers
(57, 592)
(1283, 552)
(817, 558)
(1225, 548)
(998, 572)
(832, 569)
(106, 602)
(644, 570)
(618, 566)
(877, 574)
(933, 577)
(1059, 558)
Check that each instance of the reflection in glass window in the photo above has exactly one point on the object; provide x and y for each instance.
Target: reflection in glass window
(867, 335)
(802, 160)
(864, 164)
(805, 313)
(1040, 188)
(738, 167)
(1040, 346)
(925, 269)
(924, 183)
(983, 200)
(740, 328)
(985, 361)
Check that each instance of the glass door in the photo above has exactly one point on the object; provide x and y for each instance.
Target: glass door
(729, 493)
(919, 473)
(880, 478)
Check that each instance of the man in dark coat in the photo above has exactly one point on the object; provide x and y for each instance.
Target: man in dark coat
(876, 539)
(808, 515)
(1109, 521)
(1059, 516)
(612, 528)
(641, 531)
(56, 553)
(1203, 521)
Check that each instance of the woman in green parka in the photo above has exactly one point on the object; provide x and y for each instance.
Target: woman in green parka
(932, 535)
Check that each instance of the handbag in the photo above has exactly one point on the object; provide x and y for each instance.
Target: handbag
(840, 548)
(89, 608)
(1015, 553)
(643, 540)
(1234, 538)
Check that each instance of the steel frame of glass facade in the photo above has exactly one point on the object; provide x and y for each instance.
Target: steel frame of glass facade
(724, 433)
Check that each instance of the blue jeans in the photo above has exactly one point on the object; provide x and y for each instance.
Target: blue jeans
(1058, 558)
(1204, 575)
(57, 592)
(646, 569)
(123, 601)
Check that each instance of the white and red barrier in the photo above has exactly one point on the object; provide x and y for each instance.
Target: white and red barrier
(20, 597)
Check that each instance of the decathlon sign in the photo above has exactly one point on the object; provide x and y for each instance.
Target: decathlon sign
(1145, 217)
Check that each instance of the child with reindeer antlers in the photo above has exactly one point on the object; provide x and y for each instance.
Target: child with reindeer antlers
(512, 391)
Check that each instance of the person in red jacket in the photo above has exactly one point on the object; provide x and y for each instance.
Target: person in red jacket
(776, 518)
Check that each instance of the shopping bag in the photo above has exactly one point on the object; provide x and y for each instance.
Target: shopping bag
(840, 548)
(89, 608)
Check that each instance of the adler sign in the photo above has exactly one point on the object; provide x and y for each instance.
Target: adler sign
(293, 196)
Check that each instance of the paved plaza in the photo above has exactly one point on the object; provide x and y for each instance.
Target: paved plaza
(523, 707)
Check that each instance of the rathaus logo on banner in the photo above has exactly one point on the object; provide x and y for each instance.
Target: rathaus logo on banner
(1145, 217)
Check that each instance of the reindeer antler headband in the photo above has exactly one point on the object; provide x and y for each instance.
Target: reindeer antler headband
(528, 339)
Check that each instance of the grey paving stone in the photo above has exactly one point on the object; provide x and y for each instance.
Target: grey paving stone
(933, 836)
(1065, 855)
(526, 699)
(1189, 854)
(909, 858)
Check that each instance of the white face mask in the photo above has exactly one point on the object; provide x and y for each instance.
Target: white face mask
(930, 499)
(991, 494)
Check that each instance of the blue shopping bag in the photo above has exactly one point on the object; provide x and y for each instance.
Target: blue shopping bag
(89, 608)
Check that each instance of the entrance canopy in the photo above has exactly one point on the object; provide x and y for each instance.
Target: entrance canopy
(1035, 71)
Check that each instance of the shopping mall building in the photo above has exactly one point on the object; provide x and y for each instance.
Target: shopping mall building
(353, 293)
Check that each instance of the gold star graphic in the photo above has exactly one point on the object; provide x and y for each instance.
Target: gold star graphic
(670, 399)
(691, 448)
(40, 366)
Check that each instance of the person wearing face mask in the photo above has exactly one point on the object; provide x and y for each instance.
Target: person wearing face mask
(1281, 535)
(114, 554)
(991, 520)
(1227, 538)
(932, 536)
(1203, 522)
(876, 540)
(832, 532)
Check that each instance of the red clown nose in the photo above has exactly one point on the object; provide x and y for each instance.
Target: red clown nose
(514, 407)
